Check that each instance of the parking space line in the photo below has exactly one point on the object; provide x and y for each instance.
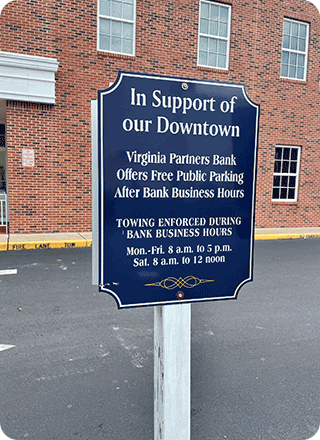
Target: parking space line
(5, 347)
(8, 272)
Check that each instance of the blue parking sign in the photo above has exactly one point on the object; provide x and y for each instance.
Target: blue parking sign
(177, 176)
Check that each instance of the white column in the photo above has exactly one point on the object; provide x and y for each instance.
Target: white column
(172, 372)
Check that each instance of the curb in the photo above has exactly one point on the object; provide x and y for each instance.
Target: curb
(44, 244)
(286, 236)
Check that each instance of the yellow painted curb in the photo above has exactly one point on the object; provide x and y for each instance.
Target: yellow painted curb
(284, 236)
(17, 246)
(3, 247)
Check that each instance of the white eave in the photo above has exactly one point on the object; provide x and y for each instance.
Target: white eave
(27, 77)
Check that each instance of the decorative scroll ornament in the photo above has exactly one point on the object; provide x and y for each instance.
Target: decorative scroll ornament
(171, 283)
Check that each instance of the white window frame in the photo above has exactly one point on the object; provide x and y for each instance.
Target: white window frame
(287, 174)
(298, 52)
(121, 20)
(227, 39)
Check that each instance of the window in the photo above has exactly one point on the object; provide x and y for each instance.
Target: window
(214, 35)
(294, 50)
(116, 26)
(286, 173)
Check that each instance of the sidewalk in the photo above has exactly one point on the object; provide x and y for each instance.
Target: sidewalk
(13, 242)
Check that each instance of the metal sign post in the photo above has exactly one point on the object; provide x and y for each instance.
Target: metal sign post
(95, 186)
(172, 372)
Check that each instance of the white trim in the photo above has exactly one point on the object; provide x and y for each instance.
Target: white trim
(122, 20)
(95, 192)
(28, 61)
(296, 51)
(288, 174)
(27, 78)
(32, 96)
(227, 39)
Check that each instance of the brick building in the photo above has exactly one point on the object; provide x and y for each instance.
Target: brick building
(55, 55)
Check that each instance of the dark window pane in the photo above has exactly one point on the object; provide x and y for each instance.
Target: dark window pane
(291, 193)
(293, 167)
(285, 166)
(283, 193)
(294, 153)
(286, 153)
(278, 153)
(276, 181)
(275, 193)
(292, 182)
(284, 181)
(277, 166)
(286, 162)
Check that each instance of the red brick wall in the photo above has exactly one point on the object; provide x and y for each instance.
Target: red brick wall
(55, 195)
